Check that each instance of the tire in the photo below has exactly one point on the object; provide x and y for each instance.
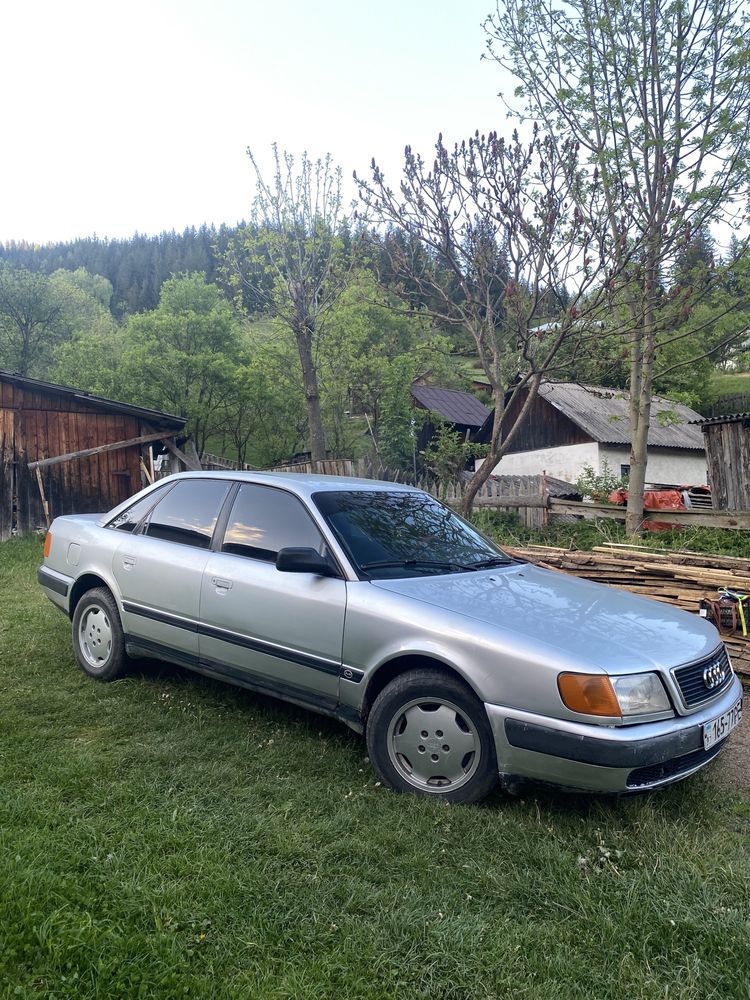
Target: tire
(428, 734)
(98, 640)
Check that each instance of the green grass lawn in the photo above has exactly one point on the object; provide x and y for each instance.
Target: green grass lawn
(166, 837)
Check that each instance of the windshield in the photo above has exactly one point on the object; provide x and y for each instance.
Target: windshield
(399, 534)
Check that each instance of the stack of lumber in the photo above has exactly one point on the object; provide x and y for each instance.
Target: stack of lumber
(680, 578)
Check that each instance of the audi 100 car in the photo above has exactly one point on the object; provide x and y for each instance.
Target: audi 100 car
(376, 604)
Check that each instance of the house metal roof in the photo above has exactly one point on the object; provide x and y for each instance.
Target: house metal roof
(604, 415)
(725, 418)
(90, 399)
(452, 404)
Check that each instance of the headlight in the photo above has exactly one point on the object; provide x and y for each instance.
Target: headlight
(641, 694)
(597, 694)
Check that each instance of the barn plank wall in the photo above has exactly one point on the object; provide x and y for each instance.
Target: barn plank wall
(544, 427)
(36, 425)
(7, 423)
(728, 453)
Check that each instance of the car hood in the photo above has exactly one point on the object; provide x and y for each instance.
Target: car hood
(599, 626)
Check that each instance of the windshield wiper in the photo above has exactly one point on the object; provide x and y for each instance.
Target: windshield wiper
(492, 561)
(433, 564)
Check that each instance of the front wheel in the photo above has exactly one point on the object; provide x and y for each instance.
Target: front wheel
(428, 734)
(98, 640)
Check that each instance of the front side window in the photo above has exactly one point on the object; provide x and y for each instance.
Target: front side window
(397, 534)
(264, 520)
(129, 519)
(189, 512)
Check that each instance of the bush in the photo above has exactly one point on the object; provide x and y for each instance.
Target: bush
(598, 485)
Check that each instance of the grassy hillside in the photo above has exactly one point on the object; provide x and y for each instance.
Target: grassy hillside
(734, 384)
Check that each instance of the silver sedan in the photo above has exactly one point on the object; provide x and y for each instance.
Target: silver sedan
(374, 603)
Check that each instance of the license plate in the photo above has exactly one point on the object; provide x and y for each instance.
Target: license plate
(717, 729)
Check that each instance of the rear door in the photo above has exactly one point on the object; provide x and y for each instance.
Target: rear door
(280, 631)
(159, 568)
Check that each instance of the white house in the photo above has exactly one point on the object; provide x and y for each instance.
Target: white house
(571, 425)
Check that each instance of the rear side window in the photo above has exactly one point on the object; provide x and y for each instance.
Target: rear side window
(129, 519)
(264, 520)
(188, 513)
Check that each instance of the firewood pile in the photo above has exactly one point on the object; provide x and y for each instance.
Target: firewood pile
(680, 578)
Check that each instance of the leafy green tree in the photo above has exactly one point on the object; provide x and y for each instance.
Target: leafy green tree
(296, 241)
(180, 357)
(400, 422)
(84, 300)
(30, 320)
(369, 344)
(92, 361)
(657, 98)
(263, 418)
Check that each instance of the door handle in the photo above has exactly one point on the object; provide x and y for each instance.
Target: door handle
(221, 584)
(128, 562)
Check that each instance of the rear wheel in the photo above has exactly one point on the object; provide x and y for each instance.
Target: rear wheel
(428, 734)
(98, 640)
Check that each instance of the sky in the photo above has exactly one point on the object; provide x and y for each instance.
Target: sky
(136, 117)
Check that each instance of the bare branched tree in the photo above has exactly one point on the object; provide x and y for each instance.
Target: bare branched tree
(498, 247)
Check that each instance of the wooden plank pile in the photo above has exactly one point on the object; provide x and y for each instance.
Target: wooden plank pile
(679, 578)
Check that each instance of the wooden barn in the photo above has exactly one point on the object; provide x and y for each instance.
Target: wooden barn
(65, 451)
(727, 441)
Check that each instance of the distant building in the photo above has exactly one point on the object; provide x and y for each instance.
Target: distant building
(461, 410)
(571, 425)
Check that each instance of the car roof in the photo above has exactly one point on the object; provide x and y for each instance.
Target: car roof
(303, 484)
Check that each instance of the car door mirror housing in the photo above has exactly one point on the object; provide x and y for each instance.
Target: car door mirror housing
(298, 559)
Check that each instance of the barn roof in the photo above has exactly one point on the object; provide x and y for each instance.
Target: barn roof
(452, 404)
(90, 399)
(726, 418)
(604, 415)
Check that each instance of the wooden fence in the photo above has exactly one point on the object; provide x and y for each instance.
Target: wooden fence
(730, 404)
(526, 496)
(738, 520)
(216, 463)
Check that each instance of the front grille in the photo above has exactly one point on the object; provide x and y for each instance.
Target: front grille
(690, 679)
(643, 776)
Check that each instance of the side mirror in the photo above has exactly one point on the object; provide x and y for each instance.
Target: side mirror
(295, 559)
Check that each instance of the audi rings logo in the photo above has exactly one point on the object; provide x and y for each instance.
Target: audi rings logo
(714, 675)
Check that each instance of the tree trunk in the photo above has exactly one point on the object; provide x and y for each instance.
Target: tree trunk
(312, 396)
(484, 471)
(641, 377)
(500, 442)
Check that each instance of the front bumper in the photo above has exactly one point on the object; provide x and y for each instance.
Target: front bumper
(605, 758)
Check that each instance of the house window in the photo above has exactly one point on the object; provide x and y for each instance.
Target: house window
(624, 471)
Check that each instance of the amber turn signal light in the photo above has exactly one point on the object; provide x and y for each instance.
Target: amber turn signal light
(47, 543)
(589, 694)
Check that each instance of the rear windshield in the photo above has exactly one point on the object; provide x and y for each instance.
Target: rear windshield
(397, 534)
